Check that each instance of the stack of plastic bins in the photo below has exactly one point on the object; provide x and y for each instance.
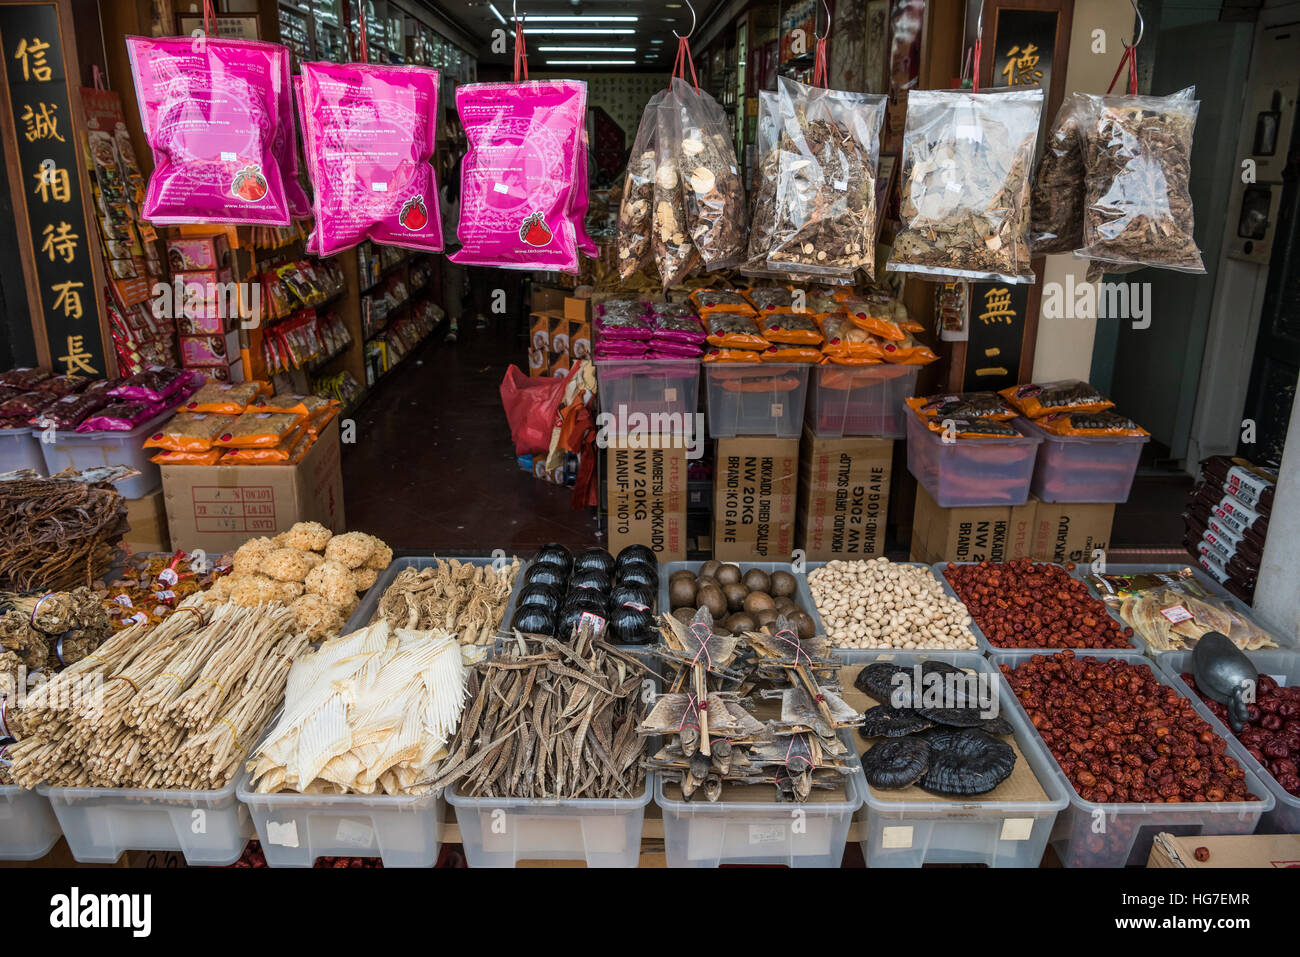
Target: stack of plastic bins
(970, 472)
(1088, 834)
(28, 827)
(860, 400)
(210, 828)
(370, 601)
(648, 387)
(21, 449)
(753, 398)
(88, 450)
(973, 830)
(1283, 667)
(1080, 468)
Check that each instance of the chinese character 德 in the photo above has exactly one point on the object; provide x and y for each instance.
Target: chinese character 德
(997, 306)
(68, 298)
(61, 241)
(1021, 68)
(52, 182)
(32, 53)
(78, 358)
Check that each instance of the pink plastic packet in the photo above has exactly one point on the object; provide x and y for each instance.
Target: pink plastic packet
(370, 132)
(519, 178)
(122, 416)
(285, 146)
(211, 110)
(586, 245)
(157, 384)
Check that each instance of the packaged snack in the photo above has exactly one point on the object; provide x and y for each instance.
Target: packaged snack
(790, 328)
(709, 301)
(783, 353)
(875, 318)
(984, 405)
(61, 385)
(636, 211)
(290, 404)
(616, 325)
(841, 359)
(768, 299)
(71, 410)
(621, 306)
(287, 452)
(258, 430)
(206, 457)
(966, 174)
(744, 379)
(908, 352)
(1067, 395)
(732, 355)
(121, 416)
(227, 398)
(970, 427)
(845, 339)
(24, 378)
(211, 113)
(156, 384)
(189, 432)
(684, 328)
(1089, 423)
(27, 406)
(713, 195)
(317, 421)
(732, 330)
(372, 136)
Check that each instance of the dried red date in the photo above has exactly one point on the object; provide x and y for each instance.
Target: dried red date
(1270, 740)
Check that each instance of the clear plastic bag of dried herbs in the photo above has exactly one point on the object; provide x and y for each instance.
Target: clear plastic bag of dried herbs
(763, 211)
(713, 194)
(636, 211)
(967, 159)
(1138, 209)
(825, 198)
(1056, 208)
(674, 252)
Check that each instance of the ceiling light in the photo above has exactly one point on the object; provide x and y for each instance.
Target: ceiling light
(591, 62)
(556, 31)
(588, 17)
(586, 49)
(496, 13)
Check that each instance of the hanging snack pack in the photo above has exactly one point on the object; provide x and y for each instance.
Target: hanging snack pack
(712, 192)
(518, 178)
(966, 174)
(1138, 209)
(212, 112)
(636, 212)
(371, 132)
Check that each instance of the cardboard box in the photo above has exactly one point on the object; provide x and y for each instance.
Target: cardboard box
(580, 340)
(217, 508)
(996, 533)
(755, 492)
(1070, 532)
(148, 520)
(843, 497)
(560, 337)
(560, 365)
(646, 498)
(1236, 850)
(577, 310)
(546, 298)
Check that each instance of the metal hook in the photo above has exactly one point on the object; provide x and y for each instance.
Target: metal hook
(514, 12)
(979, 23)
(822, 36)
(1142, 26)
(692, 29)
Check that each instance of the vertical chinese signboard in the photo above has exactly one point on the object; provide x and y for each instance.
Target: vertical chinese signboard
(996, 330)
(41, 127)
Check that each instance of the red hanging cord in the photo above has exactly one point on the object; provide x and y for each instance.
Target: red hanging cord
(363, 48)
(819, 64)
(97, 77)
(684, 60)
(521, 51)
(975, 65)
(209, 18)
(1129, 56)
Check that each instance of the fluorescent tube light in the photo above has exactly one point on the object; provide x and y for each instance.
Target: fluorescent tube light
(579, 18)
(587, 49)
(573, 31)
(496, 13)
(591, 62)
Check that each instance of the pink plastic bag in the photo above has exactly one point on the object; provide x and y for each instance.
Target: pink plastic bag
(286, 147)
(212, 111)
(370, 132)
(519, 178)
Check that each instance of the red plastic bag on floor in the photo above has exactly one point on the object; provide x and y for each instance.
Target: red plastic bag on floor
(532, 404)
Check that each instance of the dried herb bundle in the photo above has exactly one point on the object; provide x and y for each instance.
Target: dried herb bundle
(1139, 158)
(966, 178)
(468, 600)
(50, 632)
(635, 212)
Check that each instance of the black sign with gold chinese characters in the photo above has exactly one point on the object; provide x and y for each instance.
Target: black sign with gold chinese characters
(997, 325)
(49, 185)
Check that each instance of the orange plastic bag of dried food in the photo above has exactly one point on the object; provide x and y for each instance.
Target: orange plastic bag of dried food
(968, 427)
(1090, 424)
(762, 383)
(845, 339)
(316, 423)
(984, 405)
(731, 330)
(286, 453)
(227, 398)
(847, 361)
(809, 354)
(790, 328)
(870, 320)
(709, 301)
(1068, 395)
(732, 355)
(209, 457)
(254, 430)
(302, 405)
(909, 352)
(190, 432)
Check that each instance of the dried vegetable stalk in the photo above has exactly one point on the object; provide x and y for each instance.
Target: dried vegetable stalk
(552, 720)
(636, 211)
(468, 600)
(966, 178)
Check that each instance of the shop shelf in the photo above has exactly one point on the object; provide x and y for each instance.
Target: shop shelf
(648, 387)
(771, 402)
(1283, 667)
(995, 833)
(802, 596)
(21, 449)
(28, 827)
(1088, 834)
(87, 450)
(210, 828)
(970, 472)
(1078, 468)
(860, 400)
(370, 601)
(704, 833)
(296, 829)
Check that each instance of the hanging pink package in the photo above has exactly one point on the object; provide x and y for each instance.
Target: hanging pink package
(285, 147)
(211, 110)
(370, 132)
(519, 177)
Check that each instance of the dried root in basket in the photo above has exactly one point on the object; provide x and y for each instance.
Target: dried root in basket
(469, 600)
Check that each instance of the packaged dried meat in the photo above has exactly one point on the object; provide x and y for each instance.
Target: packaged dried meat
(70, 411)
(908, 352)
(875, 318)
(970, 427)
(227, 398)
(61, 385)
(732, 330)
(684, 328)
(617, 325)
(27, 405)
(189, 432)
(24, 378)
(636, 211)
(1067, 395)
(258, 430)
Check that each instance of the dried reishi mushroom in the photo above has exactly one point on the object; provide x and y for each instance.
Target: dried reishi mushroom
(897, 762)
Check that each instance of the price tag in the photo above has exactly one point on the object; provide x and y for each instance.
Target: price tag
(168, 577)
(841, 184)
(597, 622)
(766, 833)
(282, 835)
(670, 395)
(778, 410)
(1176, 613)
(124, 601)
(896, 837)
(500, 188)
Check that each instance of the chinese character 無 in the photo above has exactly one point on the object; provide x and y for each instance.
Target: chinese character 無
(997, 306)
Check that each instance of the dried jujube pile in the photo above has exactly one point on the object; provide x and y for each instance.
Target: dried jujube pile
(1272, 732)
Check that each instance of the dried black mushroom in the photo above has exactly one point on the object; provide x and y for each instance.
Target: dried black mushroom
(954, 717)
(884, 721)
(965, 761)
(897, 763)
(876, 680)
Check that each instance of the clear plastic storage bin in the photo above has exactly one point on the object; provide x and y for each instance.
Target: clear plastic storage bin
(28, 827)
(753, 398)
(87, 450)
(1087, 834)
(703, 833)
(211, 828)
(1081, 468)
(648, 386)
(370, 601)
(810, 567)
(970, 472)
(971, 830)
(295, 829)
(21, 449)
(860, 400)
(1283, 667)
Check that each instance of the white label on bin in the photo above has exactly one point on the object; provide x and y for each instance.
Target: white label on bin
(355, 833)
(766, 833)
(1017, 828)
(1176, 613)
(670, 395)
(896, 836)
(282, 835)
(777, 410)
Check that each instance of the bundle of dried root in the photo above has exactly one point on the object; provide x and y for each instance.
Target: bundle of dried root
(469, 600)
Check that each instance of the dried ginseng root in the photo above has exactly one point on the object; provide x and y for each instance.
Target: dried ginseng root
(636, 212)
(714, 197)
(966, 177)
(1139, 158)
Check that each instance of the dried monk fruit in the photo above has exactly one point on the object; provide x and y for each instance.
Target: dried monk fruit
(190, 432)
(1067, 395)
(636, 210)
(257, 430)
(712, 192)
(966, 177)
(1139, 160)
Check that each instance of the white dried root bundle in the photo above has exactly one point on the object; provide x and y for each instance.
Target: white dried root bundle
(368, 712)
(229, 666)
(469, 600)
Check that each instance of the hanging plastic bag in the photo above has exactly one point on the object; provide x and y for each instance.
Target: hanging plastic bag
(636, 210)
(531, 405)
(285, 147)
(675, 254)
(966, 174)
(578, 202)
(714, 197)
(211, 110)
(763, 211)
(1056, 206)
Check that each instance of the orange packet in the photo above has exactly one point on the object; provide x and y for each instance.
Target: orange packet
(1067, 395)
(206, 457)
(790, 328)
(259, 430)
(732, 355)
(190, 432)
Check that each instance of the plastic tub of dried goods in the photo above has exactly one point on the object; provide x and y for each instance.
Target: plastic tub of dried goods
(648, 387)
(21, 449)
(1284, 668)
(802, 596)
(860, 400)
(28, 827)
(756, 398)
(375, 593)
(296, 829)
(210, 828)
(745, 829)
(1008, 827)
(88, 450)
(1084, 468)
(970, 472)
(1088, 834)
